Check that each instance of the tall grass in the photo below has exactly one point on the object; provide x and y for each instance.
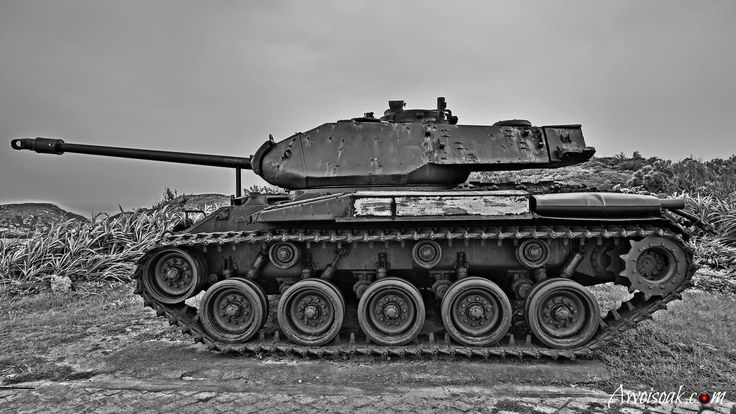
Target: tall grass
(101, 249)
(716, 248)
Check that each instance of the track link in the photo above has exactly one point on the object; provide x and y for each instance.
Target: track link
(629, 314)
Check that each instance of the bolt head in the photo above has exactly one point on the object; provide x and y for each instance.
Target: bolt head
(391, 311)
(310, 312)
(562, 313)
(232, 309)
(172, 274)
(476, 311)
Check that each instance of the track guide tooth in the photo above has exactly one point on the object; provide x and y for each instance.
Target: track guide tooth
(464, 352)
(481, 353)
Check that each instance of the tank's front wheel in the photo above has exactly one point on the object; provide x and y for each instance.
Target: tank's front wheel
(174, 275)
(476, 312)
(391, 312)
(233, 310)
(311, 312)
(562, 314)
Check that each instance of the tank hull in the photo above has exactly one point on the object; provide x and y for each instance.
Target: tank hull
(357, 241)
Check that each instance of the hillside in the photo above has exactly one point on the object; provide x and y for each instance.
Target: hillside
(22, 219)
(18, 220)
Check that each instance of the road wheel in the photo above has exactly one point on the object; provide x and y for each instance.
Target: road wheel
(233, 310)
(562, 314)
(391, 312)
(476, 312)
(311, 312)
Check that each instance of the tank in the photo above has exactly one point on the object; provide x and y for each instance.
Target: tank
(381, 247)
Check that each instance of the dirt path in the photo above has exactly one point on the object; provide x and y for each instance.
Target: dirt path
(172, 376)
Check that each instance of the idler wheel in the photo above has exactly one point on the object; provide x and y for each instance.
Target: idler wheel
(233, 310)
(174, 275)
(476, 312)
(655, 266)
(562, 313)
(311, 312)
(391, 312)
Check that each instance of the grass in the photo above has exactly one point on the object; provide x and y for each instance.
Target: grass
(50, 335)
(103, 249)
(690, 344)
(98, 250)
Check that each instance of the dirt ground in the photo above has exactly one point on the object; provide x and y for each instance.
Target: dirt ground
(101, 351)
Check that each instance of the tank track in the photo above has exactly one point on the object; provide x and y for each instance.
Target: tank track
(615, 322)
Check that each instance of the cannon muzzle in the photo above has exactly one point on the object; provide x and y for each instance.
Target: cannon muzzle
(58, 146)
(40, 145)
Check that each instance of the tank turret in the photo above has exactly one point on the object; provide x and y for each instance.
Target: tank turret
(414, 147)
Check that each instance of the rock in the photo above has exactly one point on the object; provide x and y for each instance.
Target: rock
(60, 283)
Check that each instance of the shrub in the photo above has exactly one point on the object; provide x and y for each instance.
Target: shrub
(101, 249)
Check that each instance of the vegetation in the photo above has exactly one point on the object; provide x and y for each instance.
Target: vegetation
(691, 344)
(61, 336)
(100, 249)
(105, 248)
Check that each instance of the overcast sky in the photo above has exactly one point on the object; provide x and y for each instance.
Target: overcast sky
(219, 76)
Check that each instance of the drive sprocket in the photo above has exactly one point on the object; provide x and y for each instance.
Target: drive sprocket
(655, 266)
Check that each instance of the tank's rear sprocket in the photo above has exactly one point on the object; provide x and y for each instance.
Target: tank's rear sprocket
(655, 266)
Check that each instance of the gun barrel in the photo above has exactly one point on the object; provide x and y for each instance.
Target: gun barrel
(58, 146)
